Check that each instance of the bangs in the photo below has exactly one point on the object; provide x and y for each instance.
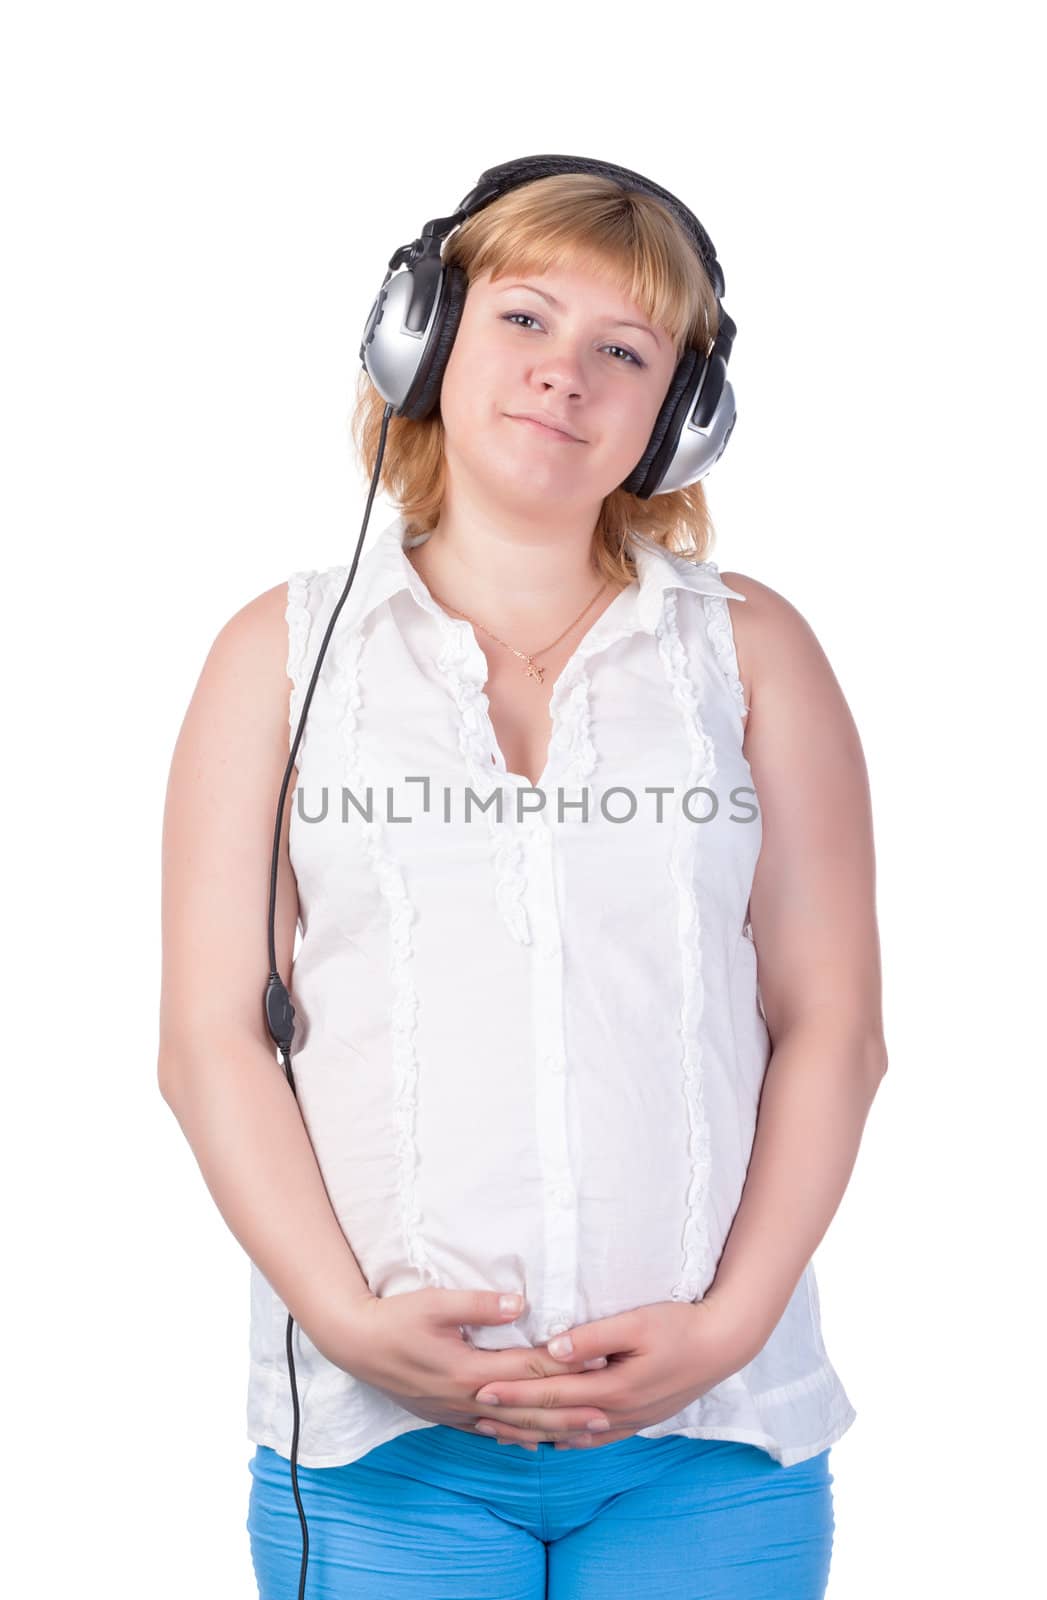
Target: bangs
(577, 223)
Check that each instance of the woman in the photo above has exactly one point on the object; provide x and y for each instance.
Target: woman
(559, 788)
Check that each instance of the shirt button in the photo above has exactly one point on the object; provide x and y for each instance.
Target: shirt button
(562, 1197)
(560, 1324)
(555, 1064)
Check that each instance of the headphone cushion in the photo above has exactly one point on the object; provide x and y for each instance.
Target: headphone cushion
(424, 394)
(641, 480)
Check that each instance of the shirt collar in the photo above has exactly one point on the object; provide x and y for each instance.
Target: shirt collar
(384, 571)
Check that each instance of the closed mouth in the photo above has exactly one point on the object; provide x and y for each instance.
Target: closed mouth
(548, 427)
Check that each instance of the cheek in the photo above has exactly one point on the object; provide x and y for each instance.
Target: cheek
(470, 390)
(633, 422)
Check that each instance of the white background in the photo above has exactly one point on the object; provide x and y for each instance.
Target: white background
(199, 204)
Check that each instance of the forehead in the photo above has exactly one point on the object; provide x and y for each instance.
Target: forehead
(568, 285)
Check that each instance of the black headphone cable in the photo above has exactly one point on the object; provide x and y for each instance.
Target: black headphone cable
(277, 1007)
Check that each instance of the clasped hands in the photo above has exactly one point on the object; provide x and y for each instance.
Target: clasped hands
(660, 1358)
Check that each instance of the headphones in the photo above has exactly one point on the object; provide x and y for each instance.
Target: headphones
(406, 343)
(409, 334)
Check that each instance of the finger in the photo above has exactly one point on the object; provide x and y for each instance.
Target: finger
(570, 1440)
(481, 1307)
(594, 1442)
(526, 1441)
(552, 1425)
(570, 1389)
(506, 1392)
(594, 1364)
(524, 1363)
(555, 1419)
(546, 1425)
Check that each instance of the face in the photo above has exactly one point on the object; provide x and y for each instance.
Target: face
(567, 346)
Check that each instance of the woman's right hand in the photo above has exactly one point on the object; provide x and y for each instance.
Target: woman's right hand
(412, 1348)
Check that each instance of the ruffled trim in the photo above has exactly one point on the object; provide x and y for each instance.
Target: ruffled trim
(572, 753)
(571, 749)
(298, 618)
(508, 851)
(510, 861)
(401, 914)
(697, 1269)
(721, 636)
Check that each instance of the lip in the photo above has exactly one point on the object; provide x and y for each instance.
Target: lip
(547, 427)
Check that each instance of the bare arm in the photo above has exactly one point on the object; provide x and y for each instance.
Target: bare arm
(814, 926)
(217, 1068)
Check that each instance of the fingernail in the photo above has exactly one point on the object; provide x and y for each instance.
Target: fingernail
(510, 1302)
(485, 1427)
(598, 1425)
(561, 1345)
(597, 1361)
(488, 1399)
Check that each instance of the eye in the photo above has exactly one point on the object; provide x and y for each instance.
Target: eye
(508, 316)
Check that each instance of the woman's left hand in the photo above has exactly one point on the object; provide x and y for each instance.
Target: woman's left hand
(660, 1358)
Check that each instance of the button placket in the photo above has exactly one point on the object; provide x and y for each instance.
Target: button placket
(559, 1208)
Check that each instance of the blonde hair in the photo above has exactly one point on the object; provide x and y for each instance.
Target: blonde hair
(587, 222)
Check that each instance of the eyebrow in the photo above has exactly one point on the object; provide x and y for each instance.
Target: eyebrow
(618, 322)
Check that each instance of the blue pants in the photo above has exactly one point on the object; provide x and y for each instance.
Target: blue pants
(441, 1514)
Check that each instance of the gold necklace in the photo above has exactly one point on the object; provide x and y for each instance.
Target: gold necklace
(532, 670)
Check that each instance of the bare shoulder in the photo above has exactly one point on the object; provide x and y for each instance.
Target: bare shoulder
(813, 904)
(774, 642)
(259, 626)
(247, 660)
(238, 713)
(764, 608)
(226, 772)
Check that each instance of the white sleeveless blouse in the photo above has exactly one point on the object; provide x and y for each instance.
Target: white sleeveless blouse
(529, 1044)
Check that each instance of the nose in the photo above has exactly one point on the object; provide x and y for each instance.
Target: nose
(560, 368)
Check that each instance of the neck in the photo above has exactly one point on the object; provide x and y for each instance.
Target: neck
(516, 572)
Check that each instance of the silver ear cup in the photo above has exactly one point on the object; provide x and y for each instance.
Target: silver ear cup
(391, 351)
(701, 444)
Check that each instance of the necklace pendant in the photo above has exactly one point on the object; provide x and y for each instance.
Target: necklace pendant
(535, 672)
